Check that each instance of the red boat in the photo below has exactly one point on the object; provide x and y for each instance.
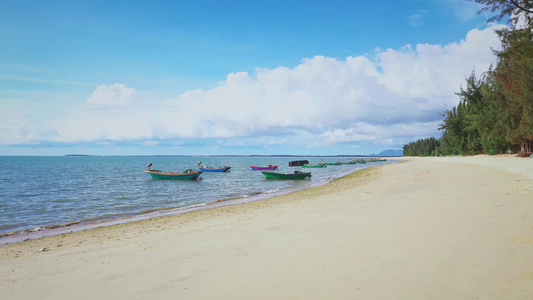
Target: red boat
(270, 167)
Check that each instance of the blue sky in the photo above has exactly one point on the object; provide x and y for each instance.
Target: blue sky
(232, 77)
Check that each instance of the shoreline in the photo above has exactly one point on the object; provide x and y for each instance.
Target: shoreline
(426, 228)
(76, 226)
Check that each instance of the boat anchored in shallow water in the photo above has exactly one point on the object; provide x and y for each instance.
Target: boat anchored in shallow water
(219, 169)
(314, 166)
(187, 175)
(270, 167)
(209, 169)
(295, 175)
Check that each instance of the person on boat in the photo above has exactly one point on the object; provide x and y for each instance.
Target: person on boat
(149, 165)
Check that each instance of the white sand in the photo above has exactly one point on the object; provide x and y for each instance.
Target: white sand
(429, 228)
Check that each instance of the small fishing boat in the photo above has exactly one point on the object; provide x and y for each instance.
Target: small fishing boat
(295, 175)
(322, 162)
(314, 166)
(270, 167)
(298, 163)
(375, 159)
(219, 169)
(332, 164)
(187, 175)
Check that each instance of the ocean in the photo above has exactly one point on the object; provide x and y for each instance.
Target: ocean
(43, 192)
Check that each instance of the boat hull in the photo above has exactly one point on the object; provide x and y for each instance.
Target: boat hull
(221, 169)
(264, 168)
(295, 175)
(314, 166)
(162, 175)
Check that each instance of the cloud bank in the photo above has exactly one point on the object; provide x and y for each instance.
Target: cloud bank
(386, 99)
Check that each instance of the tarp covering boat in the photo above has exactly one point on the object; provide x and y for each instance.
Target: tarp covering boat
(298, 163)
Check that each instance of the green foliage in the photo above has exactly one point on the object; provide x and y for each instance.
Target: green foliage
(514, 9)
(495, 112)
(425, 147)
(515, 74)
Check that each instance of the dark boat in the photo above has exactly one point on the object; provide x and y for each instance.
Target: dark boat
(298, 163)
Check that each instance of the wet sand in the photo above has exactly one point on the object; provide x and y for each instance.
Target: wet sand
(427, 228)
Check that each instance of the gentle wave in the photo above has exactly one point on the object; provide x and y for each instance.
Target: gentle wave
(38, 192)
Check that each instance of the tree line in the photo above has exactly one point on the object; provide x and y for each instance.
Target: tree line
(495, 111)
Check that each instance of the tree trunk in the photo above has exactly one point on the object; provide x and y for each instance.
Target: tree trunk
(526, 147)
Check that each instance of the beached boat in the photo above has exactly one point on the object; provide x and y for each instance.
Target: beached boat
(270, 167)
(219, 169)
(187, 175)
(314, 166)
(295, 175)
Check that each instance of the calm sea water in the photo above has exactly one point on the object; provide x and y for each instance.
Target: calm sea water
(36, 192)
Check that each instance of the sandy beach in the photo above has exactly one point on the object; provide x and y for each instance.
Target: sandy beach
(425, 228)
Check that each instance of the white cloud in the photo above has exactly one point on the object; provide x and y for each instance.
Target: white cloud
(416, 19)
(388, 98)
(116, 96)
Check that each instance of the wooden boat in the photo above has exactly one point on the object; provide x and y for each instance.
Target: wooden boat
(332, 164)
(375, 159)
(314, 166)
(270, 167)
(350, 162)
(295, 175)
(187, 175)
(219, 169)
(322, 162)
(298, 163)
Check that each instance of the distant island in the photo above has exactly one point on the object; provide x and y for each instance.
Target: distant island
(391, 153)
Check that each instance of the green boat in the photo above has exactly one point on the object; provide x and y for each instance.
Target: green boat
(187, 175)
(375, 159)
(314, 166)
(295, 175)
(322, 162)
